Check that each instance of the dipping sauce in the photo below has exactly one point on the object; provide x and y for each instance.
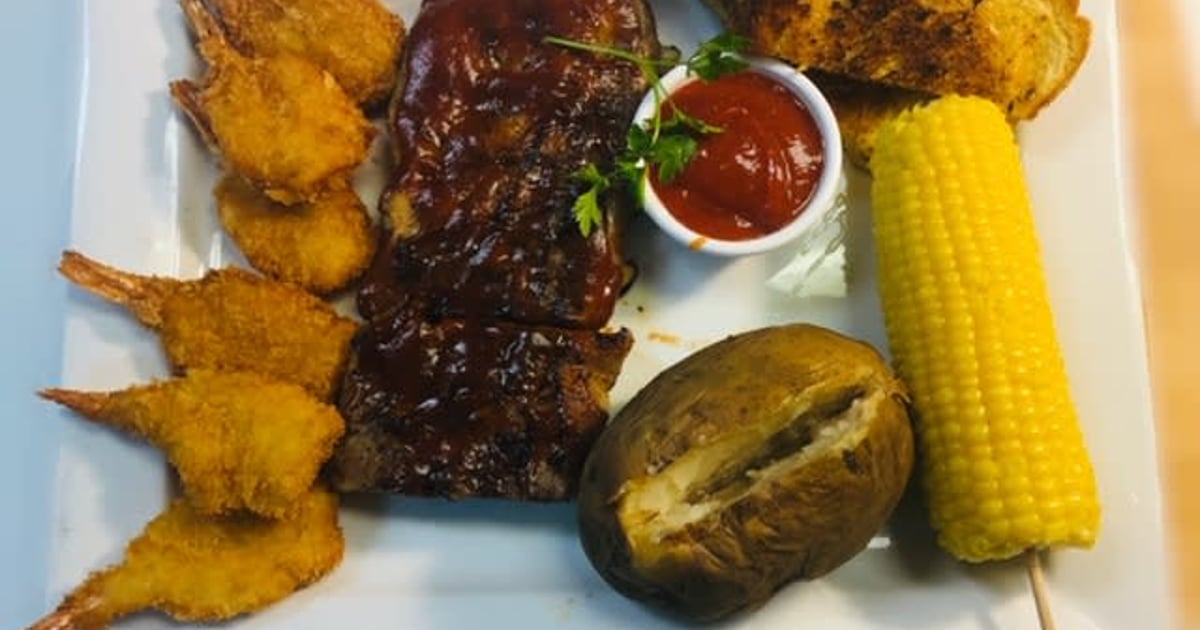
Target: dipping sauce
(758, 173)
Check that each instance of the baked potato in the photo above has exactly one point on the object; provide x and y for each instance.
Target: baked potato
(770, 456)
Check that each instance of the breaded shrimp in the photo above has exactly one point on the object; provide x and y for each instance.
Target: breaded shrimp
(357, 41)
(205, 569)
(281, 121)
(240, 441)
(322, 246)
(230, 320)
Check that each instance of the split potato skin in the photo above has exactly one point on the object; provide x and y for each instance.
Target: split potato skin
(771, 456)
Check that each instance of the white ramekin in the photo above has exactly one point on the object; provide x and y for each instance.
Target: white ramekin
(824, 196)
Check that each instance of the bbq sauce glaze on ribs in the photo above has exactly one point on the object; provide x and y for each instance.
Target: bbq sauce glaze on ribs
(495, 409)
(482, 369)
(487, 131)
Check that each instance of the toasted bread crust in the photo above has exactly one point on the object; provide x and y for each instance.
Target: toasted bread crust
(1017, 53)
(861, 109)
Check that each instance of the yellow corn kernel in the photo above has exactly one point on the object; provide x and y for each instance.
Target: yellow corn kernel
(972, 333)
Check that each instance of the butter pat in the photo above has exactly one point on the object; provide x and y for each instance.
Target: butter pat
(818, 268)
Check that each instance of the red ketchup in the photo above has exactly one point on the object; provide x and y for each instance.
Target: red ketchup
(758, 173)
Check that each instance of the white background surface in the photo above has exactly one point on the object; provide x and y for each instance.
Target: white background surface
(40, 53)
(74, 493)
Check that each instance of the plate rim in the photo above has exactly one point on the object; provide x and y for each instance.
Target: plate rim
(84, 160)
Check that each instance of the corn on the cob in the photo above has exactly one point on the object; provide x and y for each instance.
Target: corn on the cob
(971, 331)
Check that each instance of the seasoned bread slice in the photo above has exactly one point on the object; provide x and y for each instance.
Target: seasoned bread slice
(861, 109)
(1017, 53)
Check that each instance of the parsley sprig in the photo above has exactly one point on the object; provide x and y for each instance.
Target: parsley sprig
(668, 141)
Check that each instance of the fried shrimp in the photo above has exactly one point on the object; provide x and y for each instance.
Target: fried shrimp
(280, 121)
(239, 440)
(230, 320)
(322, 246)
(357, 41)
(204, 569)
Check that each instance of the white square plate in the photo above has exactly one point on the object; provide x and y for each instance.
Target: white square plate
(142, 201)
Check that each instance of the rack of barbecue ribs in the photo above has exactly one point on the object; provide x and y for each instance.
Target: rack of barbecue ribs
(483, 367)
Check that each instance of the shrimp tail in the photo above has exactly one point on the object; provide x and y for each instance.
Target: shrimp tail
(189, 97)
(142, 295)
(210, 33)
(73, 614)
(92, 405)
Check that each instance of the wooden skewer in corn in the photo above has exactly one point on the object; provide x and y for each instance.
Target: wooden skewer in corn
(1037, 584)
(971, 331)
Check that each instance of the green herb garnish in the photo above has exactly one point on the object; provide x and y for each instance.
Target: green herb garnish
(587, 206)
(667, 143)
(719, 56)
